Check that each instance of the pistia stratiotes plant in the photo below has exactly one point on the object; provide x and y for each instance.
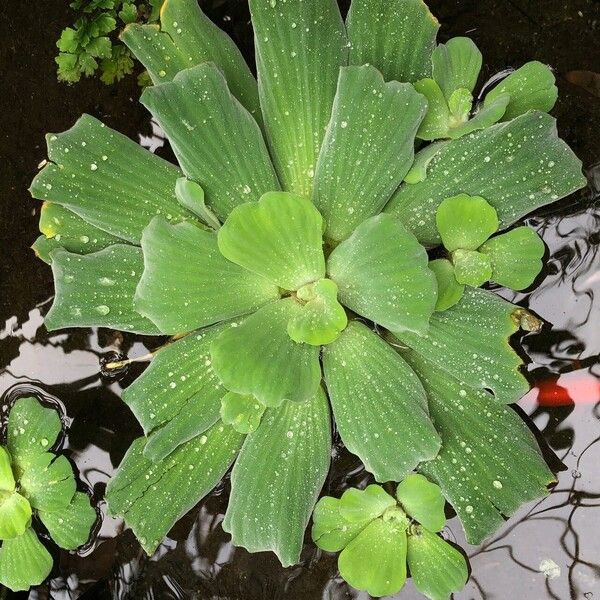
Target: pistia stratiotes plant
(36, 483)
(287, 258)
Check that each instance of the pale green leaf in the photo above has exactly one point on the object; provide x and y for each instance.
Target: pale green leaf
(437, 568)
(7, 479)
(485, 116)
(97, 290)
(24, 562)
(243, 413)
(375, 560)
(465, 222)
(471, 267)
(300, 47)
(258, 357)
(187, 283)
(379, 404)
(277, 478)
(151, 497)
(108, 180)
(456, 64)
(436, 123)
(460, 104)
(395, 36)
(48, 482)
(369, 145)
(357, 505)
(70, 527)
(330, 531)
(516, 166)
(423, 501)
(15, 514)
(191, 195)
(449, 290)
(381, 272)
(530, 88)
(278, 237)
(516, 257)
(471, 340)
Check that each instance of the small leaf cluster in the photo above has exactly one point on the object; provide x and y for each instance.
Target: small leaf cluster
(90, 44)
(36, 483)
(377, 535)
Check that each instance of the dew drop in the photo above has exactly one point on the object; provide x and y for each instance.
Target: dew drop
(102, 309)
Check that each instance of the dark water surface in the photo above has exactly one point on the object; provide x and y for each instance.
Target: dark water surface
(197, 561)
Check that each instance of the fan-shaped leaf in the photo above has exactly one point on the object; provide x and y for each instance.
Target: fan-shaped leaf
(471, 267)
(330, 531)
(423, 501)
(15, 514)
(449, 290)
(456, 65)
(357, 505)
(277, 478)
(48, 482)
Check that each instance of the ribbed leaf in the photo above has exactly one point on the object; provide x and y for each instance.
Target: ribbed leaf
(423, 501)
(108, 180)
(217, 142)
(395, 36)
(277, 478)
(381, 272)
(449, 290)
(7, 479)
(369, 145)
(98, 290)
(15, 514)
(489, 463)
(471, 267)
(470, 340)
(258, 357)
(330, 531)
(300, 46)
(379, 405)
(516, 166)
(368, 504)
(187, 283)
(456, 65)
(278, 237)
(436, 123)
(151, 497)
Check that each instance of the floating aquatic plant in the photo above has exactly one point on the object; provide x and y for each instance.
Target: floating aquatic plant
(36, 483)
(287, 258)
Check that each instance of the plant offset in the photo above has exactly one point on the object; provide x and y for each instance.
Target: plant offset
(294, 258)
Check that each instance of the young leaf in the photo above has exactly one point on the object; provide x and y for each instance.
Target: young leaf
(516, 166)
(436, 567)
(379, 405)
(395, 36)
(179, 294)
(191, 195)
(128, 14)
(208, 130)
(97, 290)
(278, 237)
(372, 131)
(277, 478)
(7, 480)
(330, 531)
(99, 47)
(357, 505)
(300, 47)
(449, 290)
(436, 123)
(516, 257)
(471, 267)
(258, 357)
(485, 116)
(465, 222)
(15, 514)
(456, 65)
(423, 501)
(115, 66)
(418, 171)
(243, 413)
(381, 272)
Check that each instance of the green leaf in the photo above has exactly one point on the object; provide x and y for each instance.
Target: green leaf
(471, 267)
(68, 67)
(300, 47)
(68, 41)
(7, 480)
(15, 514)
(100, 47)
(277, 478)
(449, 290)
(217, 142)
(484, 117)
(395, 36)
(243, 413)
(423, 501)
(104, 24)
(322, 318)
(191, 195)
(369, 145)
(330, 531)
(530, 88)
(24, 562)
(178, 396)
(436, 567)
(258, 357)
(357, 505)
(489, 463)
(375, 560)
(436, 123)
(516, 257)
(108, 180)
(187, 37)
(117, 65)
(381, 272)
(471, 340)
(151, 497)
(278, 237)
(465, 222)
(48, 482)
(32, 430)
(187, 283)
(379, 404)
(97, 290)
(70, 527)
(418, 171)
(516, 166)
(87, 63)
(456, 65)
(460, 104)
(128, 14)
